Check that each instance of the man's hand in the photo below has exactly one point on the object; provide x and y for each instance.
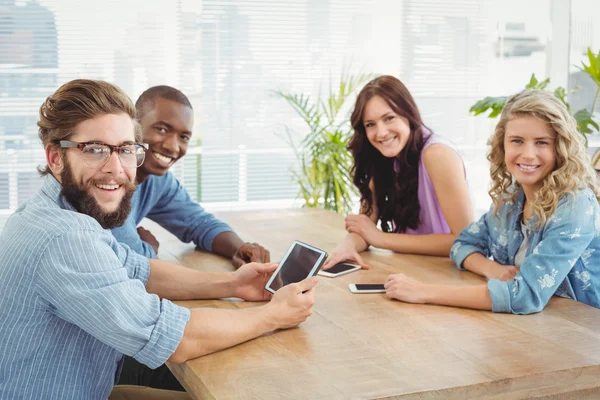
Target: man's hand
(250, 252)
(292, 304)
(249, 281)
(363, 226)
(148, 237)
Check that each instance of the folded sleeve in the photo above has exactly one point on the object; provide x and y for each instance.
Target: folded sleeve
(567, 234)
(88, 279)
(473, 239)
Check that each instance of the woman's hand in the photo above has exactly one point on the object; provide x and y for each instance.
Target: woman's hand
(344, 252)
(362, 225)
(502, 272)
(403, 288)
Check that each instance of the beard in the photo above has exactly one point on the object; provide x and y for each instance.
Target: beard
(78, 195)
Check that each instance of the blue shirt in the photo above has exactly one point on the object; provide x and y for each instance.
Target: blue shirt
(562, 258)
(73, 301)
(165, 201)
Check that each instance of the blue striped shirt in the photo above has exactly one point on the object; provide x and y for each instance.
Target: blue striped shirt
(72, 302)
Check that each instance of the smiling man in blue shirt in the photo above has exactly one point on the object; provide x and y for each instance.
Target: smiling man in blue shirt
(74, 300)
(167, 119)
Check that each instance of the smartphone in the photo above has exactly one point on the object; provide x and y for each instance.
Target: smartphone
(366, 288)
(339, 269)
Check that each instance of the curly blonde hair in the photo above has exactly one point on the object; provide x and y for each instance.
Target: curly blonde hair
(573, 170)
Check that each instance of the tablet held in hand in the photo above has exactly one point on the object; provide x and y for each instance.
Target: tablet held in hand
(301, 261)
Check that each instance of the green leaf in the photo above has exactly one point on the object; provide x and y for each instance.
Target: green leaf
(337, 98)
(593, 69)
(495, 104)
(584, 120)
(534, 84)
(561, 94)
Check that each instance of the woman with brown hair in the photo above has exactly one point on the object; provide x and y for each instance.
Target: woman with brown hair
(411, 181)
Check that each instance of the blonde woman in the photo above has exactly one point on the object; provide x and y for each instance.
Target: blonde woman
(543, 230)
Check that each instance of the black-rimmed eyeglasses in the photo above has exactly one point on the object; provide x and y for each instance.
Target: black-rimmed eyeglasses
(96, 154)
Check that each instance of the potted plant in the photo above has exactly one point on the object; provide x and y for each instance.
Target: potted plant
(584, 117)
(324, 173)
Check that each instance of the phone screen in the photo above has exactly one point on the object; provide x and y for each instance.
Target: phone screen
(341, 267)
(296, 267)
(369, 286)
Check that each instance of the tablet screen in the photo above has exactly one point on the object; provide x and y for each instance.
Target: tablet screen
(300, 262)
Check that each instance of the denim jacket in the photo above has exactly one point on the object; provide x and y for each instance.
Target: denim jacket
(562, 258)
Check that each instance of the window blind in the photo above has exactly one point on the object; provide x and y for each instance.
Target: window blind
(229, 56)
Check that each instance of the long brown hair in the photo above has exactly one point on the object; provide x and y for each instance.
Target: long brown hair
(396, 193)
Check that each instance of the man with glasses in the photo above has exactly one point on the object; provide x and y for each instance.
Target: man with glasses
(167, 119)
(74, 300)
(95, 155)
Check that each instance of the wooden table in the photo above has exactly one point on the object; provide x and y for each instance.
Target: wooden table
(364, 346)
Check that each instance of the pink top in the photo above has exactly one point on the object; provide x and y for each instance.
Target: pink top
(431, 216)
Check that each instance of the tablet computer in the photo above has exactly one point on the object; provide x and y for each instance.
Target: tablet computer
(300, 262)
